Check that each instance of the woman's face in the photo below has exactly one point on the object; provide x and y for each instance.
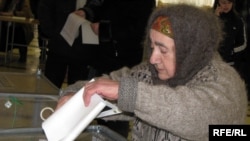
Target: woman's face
(163, 54)
(225, 6)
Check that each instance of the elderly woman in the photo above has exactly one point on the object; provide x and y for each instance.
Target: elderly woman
(183, 88)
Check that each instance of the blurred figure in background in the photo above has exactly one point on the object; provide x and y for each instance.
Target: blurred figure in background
(64, 62)
(120, 25)
(233, 47)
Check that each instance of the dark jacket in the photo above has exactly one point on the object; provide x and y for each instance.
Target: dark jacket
(52, 15)
(121, 30)
(234, 41)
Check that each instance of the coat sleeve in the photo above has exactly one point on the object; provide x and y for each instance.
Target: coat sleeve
(240, 38)
(92, 9)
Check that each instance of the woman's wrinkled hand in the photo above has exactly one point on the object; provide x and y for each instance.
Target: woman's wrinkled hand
(105, 87)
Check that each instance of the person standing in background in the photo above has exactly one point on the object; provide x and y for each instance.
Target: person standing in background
(63, 61)
(233, 48)
(120, 25)
(234, 43)
(23, 32)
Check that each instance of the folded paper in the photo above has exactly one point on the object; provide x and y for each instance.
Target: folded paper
(71, 30)
(67, 123)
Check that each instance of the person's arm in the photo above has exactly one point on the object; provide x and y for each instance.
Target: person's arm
(69, 91)
(240, 37)
(240, 42)
(92, 9)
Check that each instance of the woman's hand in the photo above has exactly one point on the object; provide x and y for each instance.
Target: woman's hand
(95, 28)
(218, 10)
(105, 87)
(80, 13)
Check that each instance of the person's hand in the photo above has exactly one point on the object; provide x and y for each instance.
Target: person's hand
(63, 100)
(80, 13)
(218, 10)
(95, 28)
(105, 87)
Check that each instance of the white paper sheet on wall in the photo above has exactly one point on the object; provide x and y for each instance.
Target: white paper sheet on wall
(199, 3)
(70, 30)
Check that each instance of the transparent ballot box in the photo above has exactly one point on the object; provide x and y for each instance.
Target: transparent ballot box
(26, 100)
(18, 111)
(91, 133)
(22, 97)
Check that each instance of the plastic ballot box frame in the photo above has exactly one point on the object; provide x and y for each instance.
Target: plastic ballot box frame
(91, 133)
(22, 97)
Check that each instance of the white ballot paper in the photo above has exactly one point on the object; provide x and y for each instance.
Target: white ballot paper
(88, 35)
(70, 30)
(66, 123)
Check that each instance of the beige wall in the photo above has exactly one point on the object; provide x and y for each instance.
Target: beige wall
(195, 2)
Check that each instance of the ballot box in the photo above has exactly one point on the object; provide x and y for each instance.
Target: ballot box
(22, 98)
(91, 133)
(26, 100)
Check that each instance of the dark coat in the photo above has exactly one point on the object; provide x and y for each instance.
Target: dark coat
(121, 30)
(52, 15)
(234, 37)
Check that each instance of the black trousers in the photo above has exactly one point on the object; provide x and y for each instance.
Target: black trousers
(58, 68)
